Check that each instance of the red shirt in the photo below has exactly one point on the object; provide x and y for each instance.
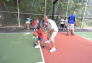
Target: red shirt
(40, 33)
(35, 22)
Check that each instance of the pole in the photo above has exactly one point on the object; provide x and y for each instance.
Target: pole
(84, 14)
(53, 9)
(45, 8)
(67, 9)
(18, 13)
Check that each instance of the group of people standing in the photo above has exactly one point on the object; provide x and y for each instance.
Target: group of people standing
(52, 31)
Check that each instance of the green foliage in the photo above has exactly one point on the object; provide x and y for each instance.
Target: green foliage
(32, 6)
(36, 8)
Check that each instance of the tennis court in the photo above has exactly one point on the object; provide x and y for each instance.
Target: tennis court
(86, 35)
(18, 48)
(16, 41)
(71, 49)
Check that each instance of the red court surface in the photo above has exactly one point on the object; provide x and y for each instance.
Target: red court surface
(70, 49)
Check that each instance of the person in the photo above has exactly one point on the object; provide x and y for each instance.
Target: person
(71, 22)
(40, 37)
(62, 24)
(66, 23)
(35, 24)
(1, 21)
(28, 21)
(52, 32)
(45, 25)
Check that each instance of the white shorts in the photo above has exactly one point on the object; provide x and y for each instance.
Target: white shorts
(70, 26)
(27, 22)
(52, 36)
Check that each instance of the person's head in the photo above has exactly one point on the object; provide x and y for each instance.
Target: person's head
(65, 18)
(74, 12)
(45, 19)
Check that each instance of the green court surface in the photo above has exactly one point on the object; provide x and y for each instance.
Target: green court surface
(87, 35)
(17, 48)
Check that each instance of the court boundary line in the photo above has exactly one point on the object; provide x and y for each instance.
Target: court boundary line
(83, 37)
(43, 60)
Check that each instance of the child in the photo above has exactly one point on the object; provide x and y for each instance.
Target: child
(40, 37)
(62, 24)
(28, 21)
(45, 25)
(35, 24)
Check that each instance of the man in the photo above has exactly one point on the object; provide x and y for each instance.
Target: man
(52, 32)
(71, 23)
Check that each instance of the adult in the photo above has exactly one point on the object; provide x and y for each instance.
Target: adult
(71, 22)
(52, 32)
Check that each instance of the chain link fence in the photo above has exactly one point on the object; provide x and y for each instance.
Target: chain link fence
(14, 15)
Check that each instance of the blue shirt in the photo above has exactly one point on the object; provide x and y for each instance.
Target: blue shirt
(71, 19)
(40, 22)
(29, 19)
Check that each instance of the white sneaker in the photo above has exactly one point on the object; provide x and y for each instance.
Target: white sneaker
(53, 49)
(37, 46)
(47, 41)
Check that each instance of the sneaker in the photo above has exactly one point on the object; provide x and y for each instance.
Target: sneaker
(53, 49)
(47, 41)
(37, 46)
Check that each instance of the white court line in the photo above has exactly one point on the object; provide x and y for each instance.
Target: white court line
(89, 39)
(43, 61)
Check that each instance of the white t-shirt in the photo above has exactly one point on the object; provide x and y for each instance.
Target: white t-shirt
(52, 25)
(62, 21)
(66, 21)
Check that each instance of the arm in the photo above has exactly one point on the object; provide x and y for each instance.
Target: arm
(50, 31)
(35, 34)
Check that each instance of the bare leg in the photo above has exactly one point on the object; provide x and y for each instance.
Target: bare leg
(52, 44)
(72, 32)
(68, 32)
(28, 26)
(52, 47)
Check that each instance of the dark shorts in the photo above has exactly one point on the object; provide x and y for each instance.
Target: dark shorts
(62, 25)
(34, 27)
(40, 39)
